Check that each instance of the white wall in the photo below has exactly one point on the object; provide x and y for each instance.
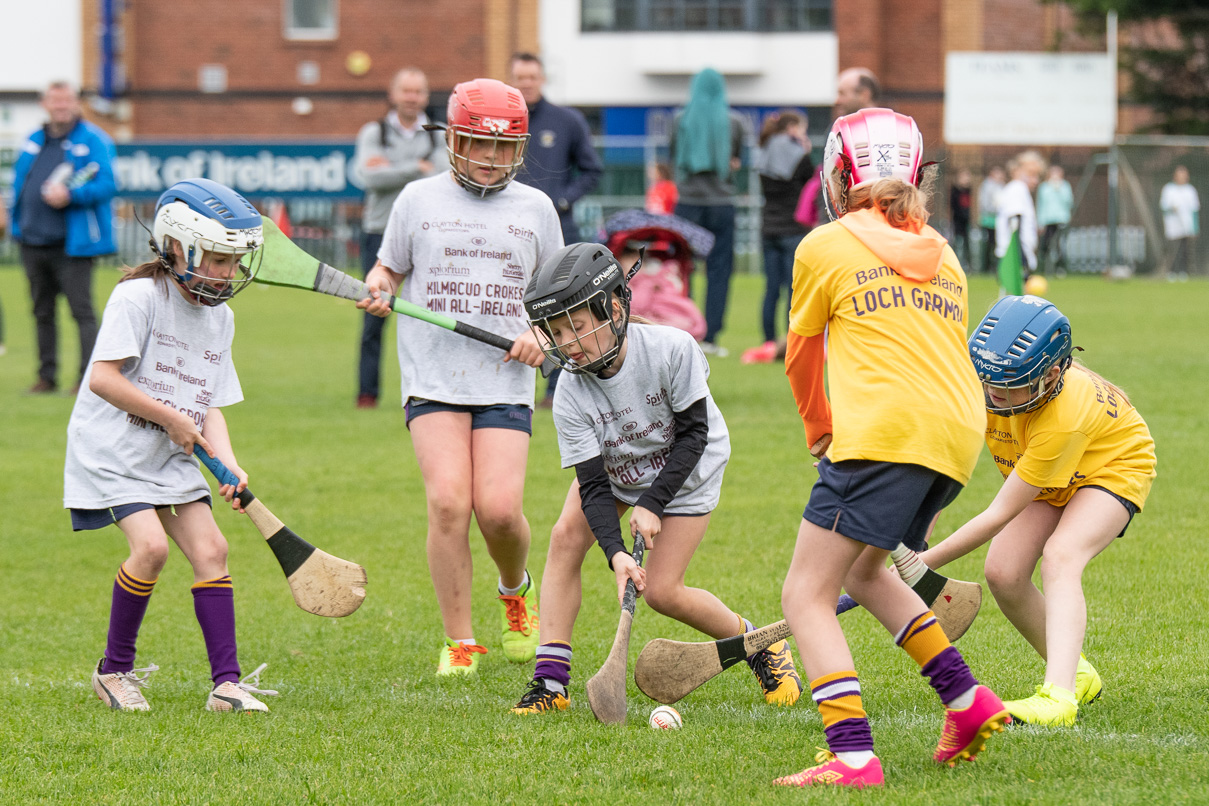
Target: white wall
(40, 41)
(654, 69)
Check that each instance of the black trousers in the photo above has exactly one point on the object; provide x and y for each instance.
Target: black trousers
(52, 272)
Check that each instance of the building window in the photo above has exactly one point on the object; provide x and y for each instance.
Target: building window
(707, 15)
(310, 19)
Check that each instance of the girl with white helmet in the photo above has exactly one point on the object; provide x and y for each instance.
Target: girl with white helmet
(1078, 462)
(466, 242)
(889, 296)
(158, 377)
(636, 420)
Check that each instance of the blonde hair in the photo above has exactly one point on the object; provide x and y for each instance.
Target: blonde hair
(1095, 376)
(904, 206)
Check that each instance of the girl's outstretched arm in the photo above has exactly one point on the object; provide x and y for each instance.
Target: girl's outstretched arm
(1011, 500)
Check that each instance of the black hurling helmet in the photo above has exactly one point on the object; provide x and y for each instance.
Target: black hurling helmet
(582, 275)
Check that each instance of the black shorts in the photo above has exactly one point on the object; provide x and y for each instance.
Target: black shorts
(1130, 506)
(86, 519)
(879, 503)
(511, 416)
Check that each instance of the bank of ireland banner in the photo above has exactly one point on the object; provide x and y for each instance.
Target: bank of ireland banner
(286, 170)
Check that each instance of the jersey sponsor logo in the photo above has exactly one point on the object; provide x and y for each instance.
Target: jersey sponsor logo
(449, 271)
(168, 340)
(162, 387)
(630, 426)
(655, 400)
(478, 240)
(633, 435)
(213, 357)
(514, 271)
(183, 377)
(521, 232)
(457, 225)
(203, 397)
(613, 416)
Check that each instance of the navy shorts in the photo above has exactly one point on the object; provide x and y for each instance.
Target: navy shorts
(86, 519)
(879, 503)
(1130, 506)
(514, 416)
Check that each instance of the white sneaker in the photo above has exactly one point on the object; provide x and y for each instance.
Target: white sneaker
(238, 696)
(122, 691)
(710, 348)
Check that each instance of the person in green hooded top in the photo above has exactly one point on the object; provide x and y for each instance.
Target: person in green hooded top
(706, 148)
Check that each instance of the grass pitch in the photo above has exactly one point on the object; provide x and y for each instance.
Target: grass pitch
(361, 717)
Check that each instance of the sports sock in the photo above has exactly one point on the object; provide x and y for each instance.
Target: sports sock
(214, 604)
(506, 591)
(554, 662)
(131, 596)
(926, 643)
(465, 641)
(838, 696)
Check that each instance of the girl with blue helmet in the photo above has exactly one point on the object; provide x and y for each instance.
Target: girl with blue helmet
(159, 374)
(1078, 462)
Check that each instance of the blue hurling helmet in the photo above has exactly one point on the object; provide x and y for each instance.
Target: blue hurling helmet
(1016, 344)
(204, 216)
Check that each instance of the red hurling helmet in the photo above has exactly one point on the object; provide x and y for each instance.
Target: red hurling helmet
(866, 146)
(486, 111)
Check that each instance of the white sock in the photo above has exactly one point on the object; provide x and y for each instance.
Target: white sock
(465, 641)
(963, 701)
(505, 591)
(855, 758)
(909, 566)
(553, 685)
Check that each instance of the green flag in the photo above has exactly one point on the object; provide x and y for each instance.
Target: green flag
(1011, 267)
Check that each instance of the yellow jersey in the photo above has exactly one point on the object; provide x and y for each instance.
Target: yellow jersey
(895, 306)
(1086, 436)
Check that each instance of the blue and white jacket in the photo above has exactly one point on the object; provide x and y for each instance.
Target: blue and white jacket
(90, 213)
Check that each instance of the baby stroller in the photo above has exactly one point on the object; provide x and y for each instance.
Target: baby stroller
(660, 290)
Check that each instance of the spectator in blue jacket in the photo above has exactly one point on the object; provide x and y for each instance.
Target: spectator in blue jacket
(63, 187)
(559, 160)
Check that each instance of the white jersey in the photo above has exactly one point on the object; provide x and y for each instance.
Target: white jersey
(1017, 200)
(629, 419)
(180, 355)
(469, 258)
(1179, 204)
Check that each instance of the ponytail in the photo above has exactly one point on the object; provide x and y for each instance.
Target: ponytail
(904, 206)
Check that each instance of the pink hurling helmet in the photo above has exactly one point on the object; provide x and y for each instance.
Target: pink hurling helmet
(866, 146)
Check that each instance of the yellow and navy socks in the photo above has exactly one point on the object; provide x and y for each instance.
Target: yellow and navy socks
(214, 604)
(130, 598)
(838, 696)
(926, 643)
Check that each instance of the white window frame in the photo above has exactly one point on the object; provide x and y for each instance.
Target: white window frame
(309, 34)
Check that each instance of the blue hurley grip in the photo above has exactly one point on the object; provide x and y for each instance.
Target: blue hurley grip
(629, 600)
(219, 470)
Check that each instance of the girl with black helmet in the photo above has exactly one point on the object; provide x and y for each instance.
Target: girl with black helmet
(155, 382)
(884, 294)
(636, 420)
(1078, 462)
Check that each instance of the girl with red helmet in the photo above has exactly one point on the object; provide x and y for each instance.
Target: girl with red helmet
(890, 297)
(467, 242)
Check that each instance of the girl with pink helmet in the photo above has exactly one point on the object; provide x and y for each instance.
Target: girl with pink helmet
(889, 297)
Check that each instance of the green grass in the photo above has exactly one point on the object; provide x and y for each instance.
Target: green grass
(362, 719)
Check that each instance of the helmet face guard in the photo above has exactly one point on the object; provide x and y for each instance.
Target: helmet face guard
(207, 218)
(1015, 346)
(864, 147)
(580, 278)
(488, 129)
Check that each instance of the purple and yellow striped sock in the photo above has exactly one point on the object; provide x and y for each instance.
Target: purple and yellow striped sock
(130, 598)
(214, 604)
(838, 696)
(926, 643)
(554, 663)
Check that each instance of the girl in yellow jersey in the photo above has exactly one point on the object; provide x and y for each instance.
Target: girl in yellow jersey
(1078, 462)
(891, 297)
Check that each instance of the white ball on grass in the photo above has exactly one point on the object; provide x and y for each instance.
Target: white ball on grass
(665, 717)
